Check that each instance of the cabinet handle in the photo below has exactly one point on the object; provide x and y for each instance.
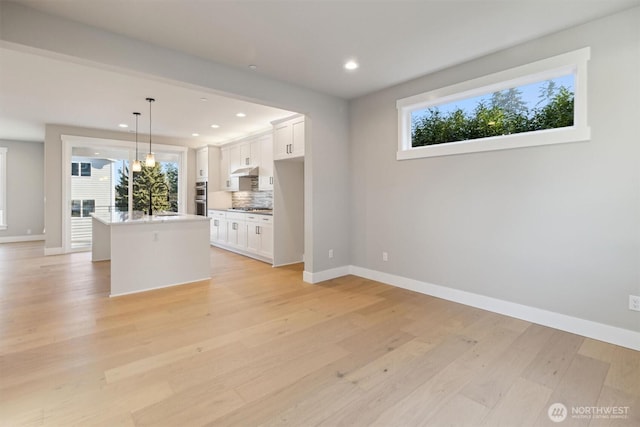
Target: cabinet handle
(270, 180)
(215, 223)
(246, 161)
(228, 185)
(257, 229)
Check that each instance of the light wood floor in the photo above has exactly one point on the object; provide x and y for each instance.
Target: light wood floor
(257, 346)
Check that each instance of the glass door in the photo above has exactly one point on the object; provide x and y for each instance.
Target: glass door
(99, 180)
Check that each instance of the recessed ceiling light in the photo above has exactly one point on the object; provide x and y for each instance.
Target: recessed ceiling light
(215, 126)
(195, 134)
(123, 125)
(241, 115)
(96, 153)
(203, 99)
(253, 67)
(351, 65)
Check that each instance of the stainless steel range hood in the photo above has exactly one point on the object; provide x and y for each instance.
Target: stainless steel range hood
(249, 171)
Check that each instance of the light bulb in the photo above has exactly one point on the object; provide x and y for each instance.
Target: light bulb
(137, 166)
(150, 161)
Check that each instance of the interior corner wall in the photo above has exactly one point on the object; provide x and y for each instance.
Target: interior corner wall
(25, 192)
(551, 227)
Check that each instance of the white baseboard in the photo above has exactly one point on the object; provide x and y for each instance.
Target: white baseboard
(25, 238)
(587, 328)
(321, 276)
(287, 263)
(53, 251)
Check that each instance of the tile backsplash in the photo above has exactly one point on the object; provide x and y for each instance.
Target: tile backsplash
(253, 199)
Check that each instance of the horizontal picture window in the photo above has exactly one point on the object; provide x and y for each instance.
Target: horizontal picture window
(535, 104)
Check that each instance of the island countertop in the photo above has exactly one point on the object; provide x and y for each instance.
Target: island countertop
(138, 217)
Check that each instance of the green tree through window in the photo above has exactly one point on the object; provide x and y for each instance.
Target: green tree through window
(501, 113)
(162, 179)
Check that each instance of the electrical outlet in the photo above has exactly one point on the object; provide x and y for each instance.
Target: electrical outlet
(634, 302)
(155, 236)
(330, 253)
(385, 256)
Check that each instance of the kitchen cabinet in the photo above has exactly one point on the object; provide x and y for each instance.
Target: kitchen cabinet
(265, 179)
(218, 227)
(244, 233)
(260, 235)
(288, 138)
(250, 153)
(236, 230)
(202, 164)
(228, 183)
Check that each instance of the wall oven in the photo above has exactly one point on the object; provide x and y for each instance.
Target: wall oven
(201, 198)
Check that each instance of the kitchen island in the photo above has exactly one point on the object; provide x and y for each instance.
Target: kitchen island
(151, 252)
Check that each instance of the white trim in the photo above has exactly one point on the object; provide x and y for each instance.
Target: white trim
(53, 251)
(286, 263)
(158, 287)
(321, 276)
(25, 238)
(587, 328)
(575, 61)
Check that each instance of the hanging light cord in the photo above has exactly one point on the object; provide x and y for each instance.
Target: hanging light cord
(150, 101)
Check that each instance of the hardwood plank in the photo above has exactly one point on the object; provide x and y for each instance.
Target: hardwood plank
(553, 359)
(460, 411)
(581, 386)
(422, 403)
(489, 387)
(522, 405)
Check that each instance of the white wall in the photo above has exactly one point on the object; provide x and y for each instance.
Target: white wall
(25, 193)
(326, 151)
(552, 227)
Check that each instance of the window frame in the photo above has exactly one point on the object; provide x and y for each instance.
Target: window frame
(3, 188)
(571, 62)
(80, 170)
(81, 205)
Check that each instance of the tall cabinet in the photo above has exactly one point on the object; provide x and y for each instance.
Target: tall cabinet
(288, 138)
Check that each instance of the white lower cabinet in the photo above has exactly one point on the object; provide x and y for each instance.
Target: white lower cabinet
(236, 230)
(260, 235)
(218, 227)
(243, 233)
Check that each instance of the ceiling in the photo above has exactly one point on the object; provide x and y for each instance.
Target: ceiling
(302, 42)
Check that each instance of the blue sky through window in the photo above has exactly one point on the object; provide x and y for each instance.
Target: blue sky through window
(530, 94)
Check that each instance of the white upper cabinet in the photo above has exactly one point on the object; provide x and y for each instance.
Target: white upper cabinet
(202, 164)
(256, 151)
(288, 138)
(226, 182)
(250, 153)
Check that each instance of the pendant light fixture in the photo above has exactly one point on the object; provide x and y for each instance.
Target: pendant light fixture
(137, 166)
(150, 161)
